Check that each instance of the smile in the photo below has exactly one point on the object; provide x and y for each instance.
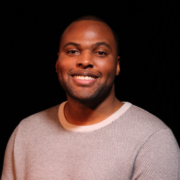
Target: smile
(84, 77)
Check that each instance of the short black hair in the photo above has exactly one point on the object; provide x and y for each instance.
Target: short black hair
(95, 18)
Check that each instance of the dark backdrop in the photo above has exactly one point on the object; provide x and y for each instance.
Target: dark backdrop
(149, 50)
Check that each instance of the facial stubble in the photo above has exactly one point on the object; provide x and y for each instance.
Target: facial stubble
(98, 93)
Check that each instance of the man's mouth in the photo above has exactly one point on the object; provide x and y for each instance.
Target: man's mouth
(84, 77)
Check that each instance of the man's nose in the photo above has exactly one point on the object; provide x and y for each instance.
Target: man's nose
(85, 60)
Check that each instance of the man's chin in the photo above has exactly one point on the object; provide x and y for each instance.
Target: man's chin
(85, 98)
(90, 100)
(89, 97)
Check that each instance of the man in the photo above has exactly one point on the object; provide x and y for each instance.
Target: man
(93, 135)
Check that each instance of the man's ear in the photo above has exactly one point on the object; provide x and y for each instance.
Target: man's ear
(56, 65)
(56, 62)
(118, 66)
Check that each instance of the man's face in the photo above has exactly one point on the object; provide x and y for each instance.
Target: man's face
(87, 61)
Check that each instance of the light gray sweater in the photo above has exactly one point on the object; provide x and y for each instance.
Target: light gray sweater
(131, 144)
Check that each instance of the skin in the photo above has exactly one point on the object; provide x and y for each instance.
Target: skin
(88, 48)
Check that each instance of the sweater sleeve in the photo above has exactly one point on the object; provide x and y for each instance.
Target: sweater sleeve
(158, 158)
(8, 172)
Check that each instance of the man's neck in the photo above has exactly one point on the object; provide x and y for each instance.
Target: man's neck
(78, 113)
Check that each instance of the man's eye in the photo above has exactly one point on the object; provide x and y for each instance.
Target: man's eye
(101, 53)
(72, 52)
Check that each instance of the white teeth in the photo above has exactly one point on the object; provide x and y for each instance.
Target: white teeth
(84, 77)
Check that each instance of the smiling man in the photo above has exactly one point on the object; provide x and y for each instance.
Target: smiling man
(91, 136)
(86, 67)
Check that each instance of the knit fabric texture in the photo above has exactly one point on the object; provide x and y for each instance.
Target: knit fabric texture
(132, 145)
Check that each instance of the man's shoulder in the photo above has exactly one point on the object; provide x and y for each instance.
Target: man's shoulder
(46, 113)
(137, 126)
(142, 120)
(44, 118)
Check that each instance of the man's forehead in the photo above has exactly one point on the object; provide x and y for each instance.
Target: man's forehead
(78, 28)
(87, 23)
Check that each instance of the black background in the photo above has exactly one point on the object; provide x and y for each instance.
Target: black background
(149, 50)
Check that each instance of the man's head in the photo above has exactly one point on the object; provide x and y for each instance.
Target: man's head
(87, 60)
(95, 18)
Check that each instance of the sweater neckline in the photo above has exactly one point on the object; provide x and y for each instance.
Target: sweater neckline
(90, 128)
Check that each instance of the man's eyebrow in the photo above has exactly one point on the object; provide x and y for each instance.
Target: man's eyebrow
(96, 44)
(102, 43)
(71, 43)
